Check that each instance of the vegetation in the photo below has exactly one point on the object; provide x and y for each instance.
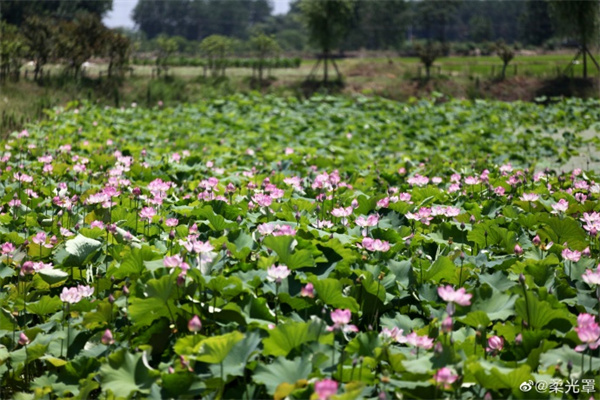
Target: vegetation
(581, 21)
(309, 250)
(506, 54)
(327, 23)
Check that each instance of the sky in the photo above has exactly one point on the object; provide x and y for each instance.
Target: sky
(120, 16)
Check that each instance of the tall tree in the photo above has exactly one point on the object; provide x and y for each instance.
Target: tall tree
(263, 46)
(580, 20)
(198, 19)
(378, 25)
(80, 39)
(40, 38)
(16, 11)
(434, 17)
(327, 22)
(535, 23)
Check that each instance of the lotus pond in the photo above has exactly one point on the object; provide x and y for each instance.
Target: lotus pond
(260, 247)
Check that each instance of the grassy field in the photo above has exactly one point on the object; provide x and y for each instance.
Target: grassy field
(527, 77)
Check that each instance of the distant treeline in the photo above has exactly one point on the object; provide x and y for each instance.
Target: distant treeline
(377, 24)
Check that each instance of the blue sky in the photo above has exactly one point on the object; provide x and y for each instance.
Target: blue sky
(121, 12)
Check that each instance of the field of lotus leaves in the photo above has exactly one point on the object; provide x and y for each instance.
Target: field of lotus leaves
(261, 247)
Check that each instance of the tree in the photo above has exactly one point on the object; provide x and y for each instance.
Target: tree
(215, 48)
(80, 39)
(428, 54)
(434, 16)
(12, 50)
(536, 26)
(506, 54)
(117, 49)
(40, 35)
(16, 11)
(198, 19)
(480, 29)
(166, 47)
(579, 19)
(264, 46)
(327, 22)
(378, 25)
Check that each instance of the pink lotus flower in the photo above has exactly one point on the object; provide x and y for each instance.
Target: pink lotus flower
(571, 255)
(560, 207)
(147, 213)
(387, 335)
(460, 296)
(326, 388)
(97, 224)
(40, 238)
(342, 212)
(375, 244)
(85, 291)
(341, 320)
(444, 377)
(418, 180)
(371, 220)
(530, 197)
(423, 342)
(262, 200)
(592, 277)
(71, 295)
(278, 273)
(588, 332)
(175, 262)
(171, 222)
(8, 248)
(194, 324)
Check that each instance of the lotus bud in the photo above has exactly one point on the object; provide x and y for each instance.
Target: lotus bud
(447, 324)
(194, 324)
(23, 339)
(518, 250)
(107, 338)
(519, 339)
(536, 240)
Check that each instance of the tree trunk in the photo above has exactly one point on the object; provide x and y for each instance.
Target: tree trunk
(503, 75)
(325, 69)
(585, 51)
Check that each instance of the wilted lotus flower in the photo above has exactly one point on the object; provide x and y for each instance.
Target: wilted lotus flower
(308, 291)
